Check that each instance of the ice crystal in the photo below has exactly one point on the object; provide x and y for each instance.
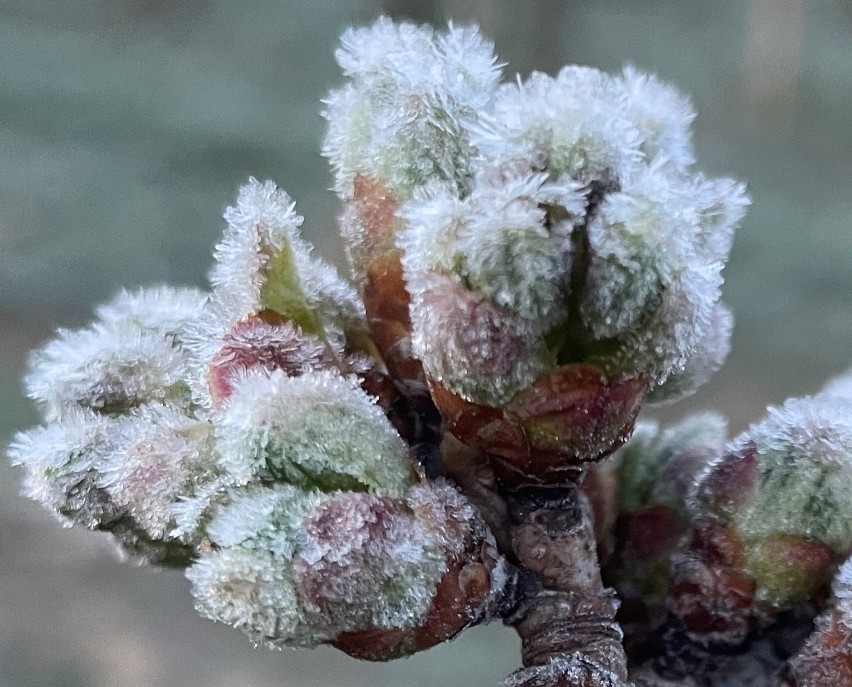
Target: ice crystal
(710, 353)
(564, 671)
(840, 386)
(319, 430)
(358, 544)
(61, 462)
(121, 475)
(162, 309)
(498, 241)
(263, 517)
(255, 343)
(663, 116)
(649, 285)
(574, 123)
(252, 590)
(163, 456)
(490, 359)
(781, 492)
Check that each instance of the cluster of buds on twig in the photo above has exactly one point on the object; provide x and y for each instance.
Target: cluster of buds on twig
(532, 262)
(541, 254)
(231, 432)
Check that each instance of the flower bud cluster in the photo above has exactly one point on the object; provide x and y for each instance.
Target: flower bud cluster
(561, 246)
(771, 520)
(123, 440)
(231, 432)
(533, 261)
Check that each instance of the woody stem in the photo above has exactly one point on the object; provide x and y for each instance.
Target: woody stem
(569, 614)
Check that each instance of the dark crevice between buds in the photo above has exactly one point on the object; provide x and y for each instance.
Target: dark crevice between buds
(571, 341)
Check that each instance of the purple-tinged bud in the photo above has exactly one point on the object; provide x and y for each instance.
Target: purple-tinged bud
(376, 576)
(264, 342)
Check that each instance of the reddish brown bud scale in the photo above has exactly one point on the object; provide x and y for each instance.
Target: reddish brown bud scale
(730, 485)
(461, 595)
(383, 289)
(709, 592)
(567, 418)
(386, 301)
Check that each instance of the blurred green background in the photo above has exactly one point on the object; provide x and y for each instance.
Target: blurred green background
(126, 127)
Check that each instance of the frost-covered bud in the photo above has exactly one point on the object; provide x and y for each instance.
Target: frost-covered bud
(119, 475)
(572, 670)
(707, 359)
(575, 123)
(132, 355)
(579, 246)
(772, 518)
(655, 472)
(412, 96)
(61, 461)
(403, 120)
(650, 301)
(319, 430)
(108, 368)
(245, 579)
(160, 309)
(826, 658)
(265, 342)
(654, 236)
(430, 556)
(263, 264)
(376, 576)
